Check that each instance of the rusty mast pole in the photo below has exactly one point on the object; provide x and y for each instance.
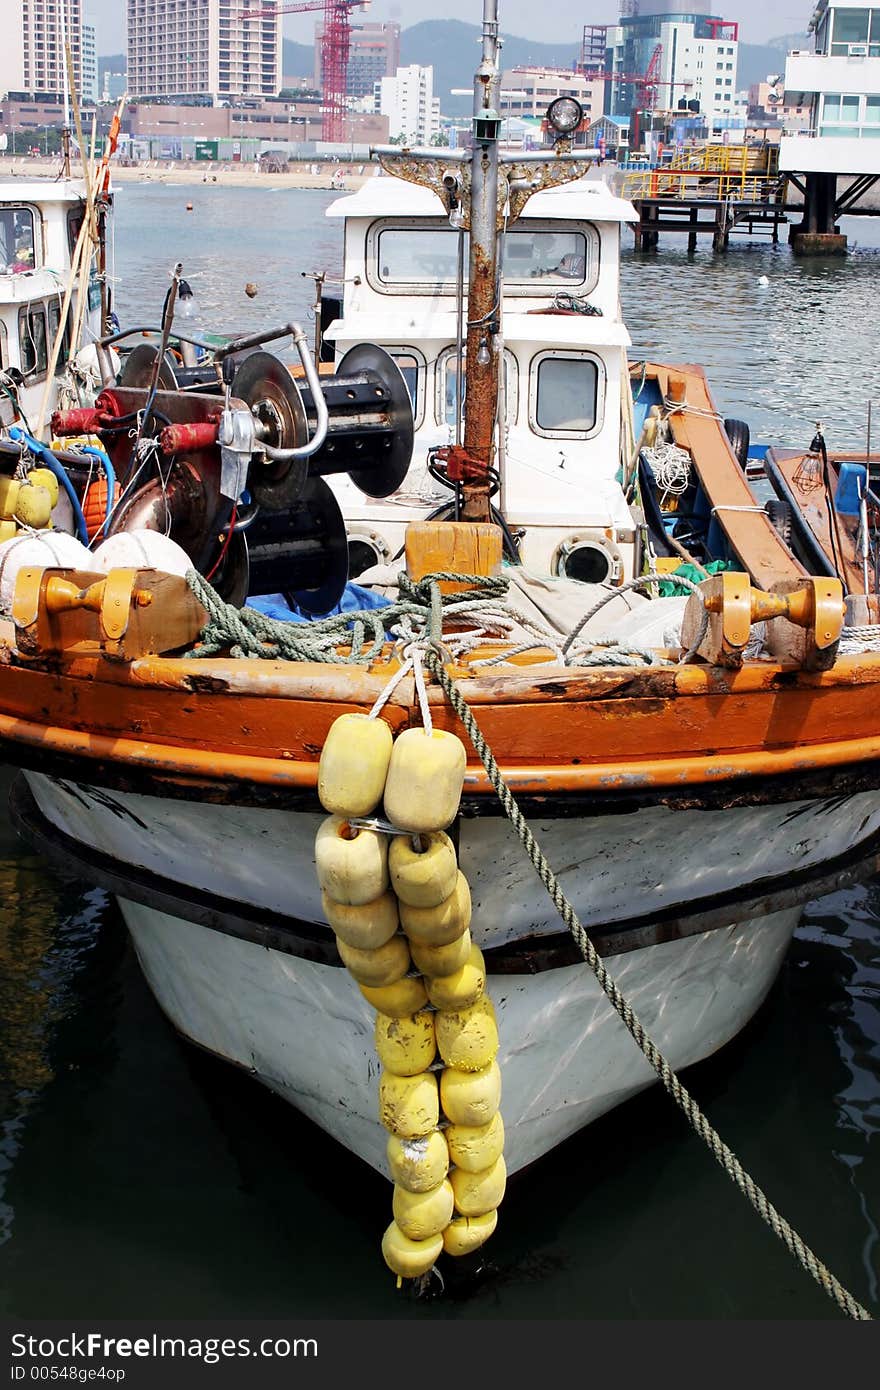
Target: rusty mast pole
(481, 400)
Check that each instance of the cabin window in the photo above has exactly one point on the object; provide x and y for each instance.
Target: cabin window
(54, 314)
(447, 377)
(75, 219)
(32, 341)
(414, 371)
(566, 391)
(17, 245)
(422, 257)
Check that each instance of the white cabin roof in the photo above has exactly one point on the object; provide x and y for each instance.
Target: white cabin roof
(41, 191)
(587, 199)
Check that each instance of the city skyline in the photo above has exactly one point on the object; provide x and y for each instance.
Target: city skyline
(565, 22)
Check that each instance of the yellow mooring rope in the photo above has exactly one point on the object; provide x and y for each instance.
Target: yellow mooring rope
(724, 1155)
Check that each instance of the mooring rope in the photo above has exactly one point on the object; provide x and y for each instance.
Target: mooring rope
(682, 1097)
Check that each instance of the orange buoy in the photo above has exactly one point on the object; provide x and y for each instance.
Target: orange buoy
(94, 505)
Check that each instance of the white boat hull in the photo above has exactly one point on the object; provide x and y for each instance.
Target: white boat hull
(295, 1018)
(615, 869)
(566, 1058)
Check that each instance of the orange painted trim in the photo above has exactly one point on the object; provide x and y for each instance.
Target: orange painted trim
(537, 779)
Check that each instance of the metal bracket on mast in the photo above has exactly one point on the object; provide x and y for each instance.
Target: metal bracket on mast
(450, 177)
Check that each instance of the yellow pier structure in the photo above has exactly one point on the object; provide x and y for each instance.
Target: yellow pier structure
(711, 189)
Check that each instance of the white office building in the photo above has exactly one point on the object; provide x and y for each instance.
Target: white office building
(839, 80)
(204, 47)
(408, 100)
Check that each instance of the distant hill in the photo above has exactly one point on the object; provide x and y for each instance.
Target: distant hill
(757, 61)
(452, 49)
(112, 62)
(297, 59)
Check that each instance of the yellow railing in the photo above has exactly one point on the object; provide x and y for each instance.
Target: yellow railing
(729, 159)
(691, 186)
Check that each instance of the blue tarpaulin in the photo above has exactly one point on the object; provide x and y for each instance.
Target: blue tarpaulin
(354, 600)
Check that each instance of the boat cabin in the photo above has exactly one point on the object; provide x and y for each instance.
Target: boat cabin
(40, 223)
(564, 386)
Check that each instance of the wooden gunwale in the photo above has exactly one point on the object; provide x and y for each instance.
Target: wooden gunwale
(229, 723)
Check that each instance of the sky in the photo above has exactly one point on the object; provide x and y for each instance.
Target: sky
(561, 23)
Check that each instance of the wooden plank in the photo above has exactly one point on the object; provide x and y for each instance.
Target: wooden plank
(751, 534)
(462, 547)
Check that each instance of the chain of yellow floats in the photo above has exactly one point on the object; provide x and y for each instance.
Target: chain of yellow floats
(27, 503)
(401, 908)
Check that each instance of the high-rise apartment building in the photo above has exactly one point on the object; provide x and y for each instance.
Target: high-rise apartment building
(696, 63)
(203, 47)
(36, 34)
(373, 53)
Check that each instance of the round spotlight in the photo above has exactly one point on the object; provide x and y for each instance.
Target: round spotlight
(565, 115)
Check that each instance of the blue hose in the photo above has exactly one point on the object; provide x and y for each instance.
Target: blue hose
(104, 460)
(45, 454)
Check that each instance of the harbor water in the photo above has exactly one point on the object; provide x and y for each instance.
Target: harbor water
(142, 1179)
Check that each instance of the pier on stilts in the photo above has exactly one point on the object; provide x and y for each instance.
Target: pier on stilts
(715, 191)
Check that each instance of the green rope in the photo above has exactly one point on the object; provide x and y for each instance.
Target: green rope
(724, 1155)
(244, 632)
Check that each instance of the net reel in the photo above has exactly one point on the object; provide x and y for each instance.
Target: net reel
(369, 432)
(288, 533)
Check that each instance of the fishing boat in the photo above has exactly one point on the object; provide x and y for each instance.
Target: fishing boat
(435, 710)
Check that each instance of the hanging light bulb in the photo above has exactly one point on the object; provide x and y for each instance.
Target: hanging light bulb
(484, 357)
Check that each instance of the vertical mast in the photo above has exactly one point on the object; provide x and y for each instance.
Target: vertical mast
(483, 281)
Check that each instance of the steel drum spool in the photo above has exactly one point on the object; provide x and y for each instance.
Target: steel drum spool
(264, 384)
(369, 434)
(302, 552)
(138, 366)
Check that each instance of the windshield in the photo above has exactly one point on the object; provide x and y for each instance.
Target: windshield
(416, 257)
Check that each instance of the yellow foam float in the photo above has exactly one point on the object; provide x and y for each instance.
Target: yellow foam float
(44, 477)
(443, 924)
(384, 966)
(404, 997)
(366, 926)
(423, 1214)
(409, 1258)
(422, 875)
(463, 988)
(354, 764)
(475, 1148)
(406, 1046)
(441, 960)
(464, 1234)
(425, 778)
(352, 864)
(468, 1038)
(470, 1097)
(409, 1105)
(33, 506)
(419, 1164)
(477, 1193)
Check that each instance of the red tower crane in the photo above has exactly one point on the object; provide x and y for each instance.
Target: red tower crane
(335, 47)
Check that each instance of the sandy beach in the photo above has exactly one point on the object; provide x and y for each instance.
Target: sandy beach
(224, 174)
